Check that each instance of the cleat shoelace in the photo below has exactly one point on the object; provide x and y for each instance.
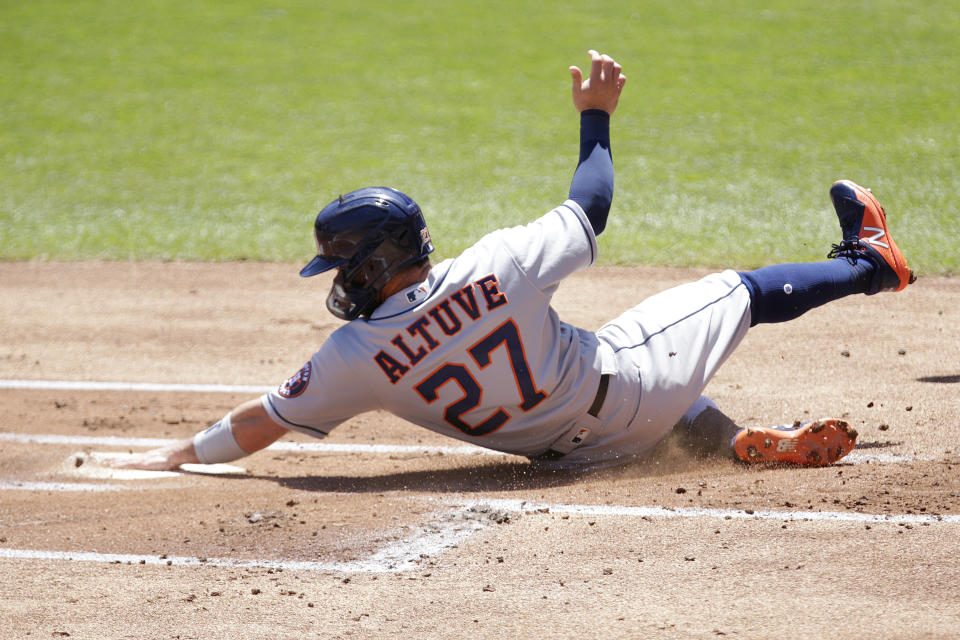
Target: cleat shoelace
(846, 249)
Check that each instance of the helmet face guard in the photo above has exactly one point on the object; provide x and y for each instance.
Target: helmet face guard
(348, 302)
(369, 236)
(360, 279)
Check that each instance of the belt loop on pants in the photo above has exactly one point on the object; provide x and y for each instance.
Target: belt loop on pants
(575, 435)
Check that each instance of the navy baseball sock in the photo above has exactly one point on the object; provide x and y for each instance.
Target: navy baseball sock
(783, 292)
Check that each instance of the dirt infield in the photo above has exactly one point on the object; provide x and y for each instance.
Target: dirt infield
(397, 532)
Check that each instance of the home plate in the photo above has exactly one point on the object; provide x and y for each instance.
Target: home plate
(89, 465)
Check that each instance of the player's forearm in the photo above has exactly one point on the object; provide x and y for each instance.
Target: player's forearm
(241, 432)
(253, 428)
(592, 184)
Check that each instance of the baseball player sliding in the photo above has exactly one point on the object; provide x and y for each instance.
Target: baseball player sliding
(472, 349)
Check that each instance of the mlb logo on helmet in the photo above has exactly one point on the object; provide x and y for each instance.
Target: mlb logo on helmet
(297, 383)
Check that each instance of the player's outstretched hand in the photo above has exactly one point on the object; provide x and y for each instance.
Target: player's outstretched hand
(163, 459)
(602, 89)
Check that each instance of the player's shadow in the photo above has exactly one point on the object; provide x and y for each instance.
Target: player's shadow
(504, 476)
(940, 379)
(876, 444)
(499, 476)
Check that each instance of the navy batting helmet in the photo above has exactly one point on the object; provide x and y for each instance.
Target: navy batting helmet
(369, 235)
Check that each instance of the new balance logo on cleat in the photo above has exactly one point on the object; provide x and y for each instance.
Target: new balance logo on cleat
(811, 444)
(875, 239)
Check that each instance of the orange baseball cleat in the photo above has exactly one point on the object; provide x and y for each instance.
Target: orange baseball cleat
(864, 225)
(811, 444)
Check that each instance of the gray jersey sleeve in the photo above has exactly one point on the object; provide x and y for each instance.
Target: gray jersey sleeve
(553, 246)
(320, 396)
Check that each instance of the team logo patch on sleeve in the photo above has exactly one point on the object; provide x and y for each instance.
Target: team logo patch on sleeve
(297, 383)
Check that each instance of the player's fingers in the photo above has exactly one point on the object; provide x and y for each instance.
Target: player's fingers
(577, 76)
(137, 461)
(607, 64)
(115, 463)
(616, 71)
(122, 462)
(622, 80)
(596, 65)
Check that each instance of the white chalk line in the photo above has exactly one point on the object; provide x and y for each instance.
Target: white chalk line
(860, 457)
(725, 514)
(20, 485)
(68, 385)
(429, 541)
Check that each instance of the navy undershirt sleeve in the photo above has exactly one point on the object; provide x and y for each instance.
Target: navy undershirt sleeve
(592, 184)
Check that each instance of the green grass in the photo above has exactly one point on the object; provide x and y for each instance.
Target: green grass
(213, 131)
